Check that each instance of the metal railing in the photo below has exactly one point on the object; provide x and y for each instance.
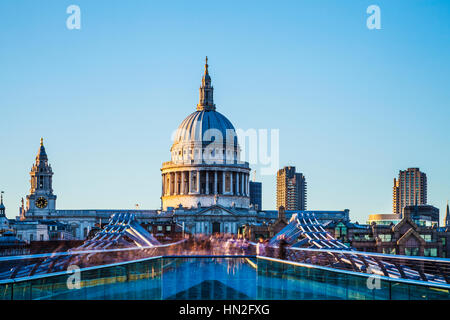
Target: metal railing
(272, 278)
(418, 269)
(424, 270)
(23, 266)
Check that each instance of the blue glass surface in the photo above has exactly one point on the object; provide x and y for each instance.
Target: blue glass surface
(205, 278)
(210, 278)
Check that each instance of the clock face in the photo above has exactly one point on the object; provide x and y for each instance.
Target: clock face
(41, 202)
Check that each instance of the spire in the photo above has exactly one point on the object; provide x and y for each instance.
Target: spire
(2, 206)
(41, 173)
(42, 155)
(447, 216)
(206, 92)
(22, 211)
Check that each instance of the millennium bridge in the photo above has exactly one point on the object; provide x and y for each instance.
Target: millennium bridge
(303, 261)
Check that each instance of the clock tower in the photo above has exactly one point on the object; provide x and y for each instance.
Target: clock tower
(41, 200)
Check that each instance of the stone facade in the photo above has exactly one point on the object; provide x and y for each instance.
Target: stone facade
(404, 238)
(208, 185)
(42, 230)
(266, 230)
(270, 222)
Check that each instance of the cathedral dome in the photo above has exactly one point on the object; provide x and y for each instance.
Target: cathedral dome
(205, 167)
(206, 126)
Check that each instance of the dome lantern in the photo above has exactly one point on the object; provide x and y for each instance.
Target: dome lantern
(206, 92)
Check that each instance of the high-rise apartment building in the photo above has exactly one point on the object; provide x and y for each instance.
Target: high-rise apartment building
(291, 189)
(409, 189)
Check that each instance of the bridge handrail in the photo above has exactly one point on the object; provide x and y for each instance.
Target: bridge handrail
(68, 253)
(375, 254)
(389, 279)
(364, 253)
(60, 273)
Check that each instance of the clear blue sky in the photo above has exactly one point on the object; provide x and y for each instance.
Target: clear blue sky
(353, 105)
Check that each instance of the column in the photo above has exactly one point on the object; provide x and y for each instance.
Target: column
(198, 181)
(242, 183)
(223, 182)
(167, 184)
(163, 184)
(238, 184)
(175, 182)
(215, 182)
(190, 182)
(247, 176)
(170, 184)
(241, 189)
(207, 182)
(183, 177)
(231, 183)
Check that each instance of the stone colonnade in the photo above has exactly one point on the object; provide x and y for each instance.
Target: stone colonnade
(205, 182)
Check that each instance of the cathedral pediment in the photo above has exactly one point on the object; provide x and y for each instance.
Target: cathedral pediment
(215, 211)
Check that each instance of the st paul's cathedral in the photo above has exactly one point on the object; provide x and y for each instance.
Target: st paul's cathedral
(205, 186)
